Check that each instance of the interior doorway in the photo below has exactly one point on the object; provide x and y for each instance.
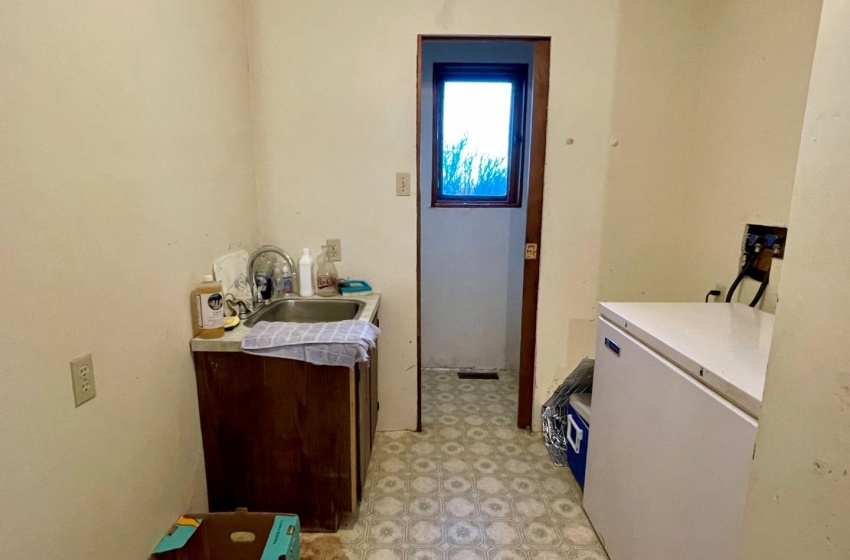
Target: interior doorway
(481, 136)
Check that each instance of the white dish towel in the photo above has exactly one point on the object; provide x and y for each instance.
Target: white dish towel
(342, 343)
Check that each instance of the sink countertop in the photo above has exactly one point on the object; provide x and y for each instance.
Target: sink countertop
(232, 340)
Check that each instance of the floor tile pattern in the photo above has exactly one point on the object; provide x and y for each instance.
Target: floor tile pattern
(470, 486)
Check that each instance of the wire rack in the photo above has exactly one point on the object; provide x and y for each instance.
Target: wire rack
(554, 410)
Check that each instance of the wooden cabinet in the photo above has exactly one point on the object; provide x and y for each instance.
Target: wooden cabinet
(286, 436)
(367, 414)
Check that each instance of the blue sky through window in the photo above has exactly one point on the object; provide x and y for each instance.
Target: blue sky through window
(476, 138)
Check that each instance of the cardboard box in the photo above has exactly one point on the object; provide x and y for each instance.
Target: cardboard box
(232, 536)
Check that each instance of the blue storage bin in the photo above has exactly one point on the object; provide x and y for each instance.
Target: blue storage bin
(578, 433)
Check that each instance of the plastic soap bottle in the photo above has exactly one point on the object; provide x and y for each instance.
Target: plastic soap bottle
(305, 271)
(208, 309)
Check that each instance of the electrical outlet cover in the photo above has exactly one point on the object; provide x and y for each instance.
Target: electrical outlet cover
(334, 250)
(82, 376)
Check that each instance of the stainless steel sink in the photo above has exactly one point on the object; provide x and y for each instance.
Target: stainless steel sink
(307, 311)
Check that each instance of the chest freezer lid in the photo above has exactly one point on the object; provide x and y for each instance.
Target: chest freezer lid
(723, 345)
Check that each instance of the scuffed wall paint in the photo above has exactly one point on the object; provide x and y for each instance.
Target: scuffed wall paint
(336, 119)
(127, 169)
(799, 501)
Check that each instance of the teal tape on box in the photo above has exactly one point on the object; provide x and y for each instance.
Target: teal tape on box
(179, 535)
(283, 532)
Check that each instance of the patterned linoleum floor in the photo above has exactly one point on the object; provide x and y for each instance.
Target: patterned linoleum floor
(470, 486)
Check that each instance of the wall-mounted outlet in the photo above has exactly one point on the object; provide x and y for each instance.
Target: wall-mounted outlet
(402, 184)
(334, 250)
(82, 375)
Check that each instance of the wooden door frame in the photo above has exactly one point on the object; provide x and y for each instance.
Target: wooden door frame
(534, 218)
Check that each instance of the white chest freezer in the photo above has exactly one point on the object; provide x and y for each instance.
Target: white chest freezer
(676, 398)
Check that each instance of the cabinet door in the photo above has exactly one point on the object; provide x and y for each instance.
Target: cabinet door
(277, 436)
(367, 414)
(668, 460)
(373, 388)
(364, 424)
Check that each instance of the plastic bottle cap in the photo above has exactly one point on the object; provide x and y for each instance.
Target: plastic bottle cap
(208, 278)
(306, 250)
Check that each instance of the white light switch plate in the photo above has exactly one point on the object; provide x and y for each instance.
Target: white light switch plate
(402, 184)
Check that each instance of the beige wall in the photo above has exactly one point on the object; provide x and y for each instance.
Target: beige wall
(334, 96)
(708, 110)
(754, 65)
(799, 500)
(126, 169)
(643, 256)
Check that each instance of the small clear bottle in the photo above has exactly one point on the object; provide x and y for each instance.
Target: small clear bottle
(327, 278)
(287, 279)
(278, 281)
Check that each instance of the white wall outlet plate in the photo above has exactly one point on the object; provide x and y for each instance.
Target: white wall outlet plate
(402, 184)
(82, 375)
(334, 250)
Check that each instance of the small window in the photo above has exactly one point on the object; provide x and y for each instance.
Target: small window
(479, 114)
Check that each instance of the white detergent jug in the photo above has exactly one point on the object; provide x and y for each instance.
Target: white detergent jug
(305, 272)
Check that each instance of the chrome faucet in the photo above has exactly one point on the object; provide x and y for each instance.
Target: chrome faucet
(259, 280)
